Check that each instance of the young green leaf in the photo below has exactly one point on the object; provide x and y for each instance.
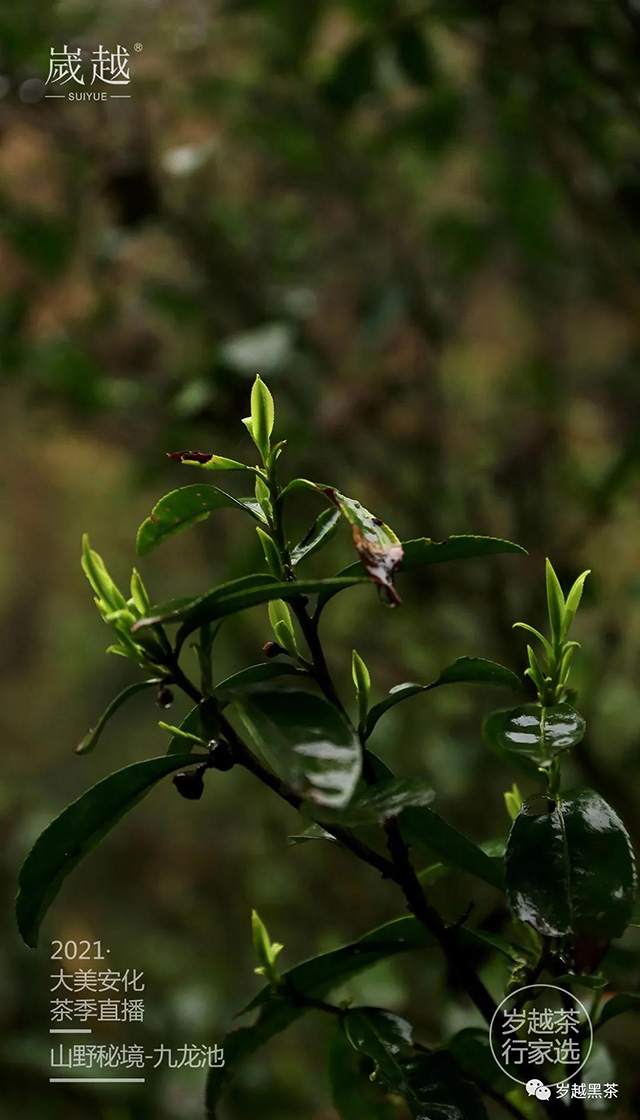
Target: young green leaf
(536, 633)
(262, 417)
(78, 829)
(263, 498)
(267, 951)
(323, 529)
(139, 594)
(362, 682)
(573, 602)
(555, 605)
(182, 508)
(111, 598)
(282, 626)
(306, 741)
(91, 739)
(181, 734)
(513, 801)
(185, 736)
(270, 551)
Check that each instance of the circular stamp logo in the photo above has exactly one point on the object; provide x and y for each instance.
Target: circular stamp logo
(541, 1035)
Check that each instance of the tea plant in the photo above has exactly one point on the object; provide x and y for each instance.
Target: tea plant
(568, 869)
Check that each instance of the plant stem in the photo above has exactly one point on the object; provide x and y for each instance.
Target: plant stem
(446, 936)
(402, 870)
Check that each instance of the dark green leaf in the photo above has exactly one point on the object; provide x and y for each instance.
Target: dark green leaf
(313, 832)
(570, 868)
(533, 732)
(494, 848)
(192, 725)
(422, 551)
(618, 1005)
(464, 670)
(77, 830)
(306, 741)
(472, 1051)
(184, 507)
(386, 1039)
(424, 829)
(377, 803)
(316, 978)
(431, 1084)
(354, 1095)
(238, 595)
(90, 740)
(442, 1092)
(378, 547)
(322, 530)
(478, 670)
(594, 981)
(253, 675)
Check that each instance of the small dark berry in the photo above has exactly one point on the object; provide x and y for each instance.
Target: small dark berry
(164, 697)
(272, 649)
(221, 757)
(190, 784)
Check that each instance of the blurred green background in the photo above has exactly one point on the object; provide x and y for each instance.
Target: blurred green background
(420, 223)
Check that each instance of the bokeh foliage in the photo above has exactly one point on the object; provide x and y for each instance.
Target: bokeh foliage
(420, 223)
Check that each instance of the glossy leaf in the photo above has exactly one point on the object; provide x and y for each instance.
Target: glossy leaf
(533, 732)
(378, 547)
(464, 670)
(353, 1094)
(383, 801)
(387, 1040)
(619, 1005)
(78, 829)
(432, 1085)
(570, 868)
(321, 532)
(425, 829)
(90, 740)
(423, 551)
(306, 742)
(313, 832)
(185, 507)
(316, 978)
(436, 1081)
(237, 595)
